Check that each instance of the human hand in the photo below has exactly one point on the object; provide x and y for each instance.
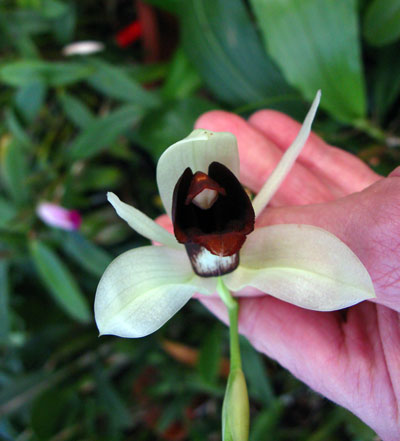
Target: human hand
(354, 361)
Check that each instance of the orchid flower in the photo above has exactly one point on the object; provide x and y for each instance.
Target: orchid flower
(214, 236)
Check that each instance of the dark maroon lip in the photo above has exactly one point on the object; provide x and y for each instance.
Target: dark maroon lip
(223, 227)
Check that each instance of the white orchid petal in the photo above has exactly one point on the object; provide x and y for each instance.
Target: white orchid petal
(197, 151)
(303, 265)
(142, 223)
(286, 163)
(142, 289)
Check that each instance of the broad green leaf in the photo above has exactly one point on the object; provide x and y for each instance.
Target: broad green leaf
(359, 430)
(23, 21)
(59, 281)
(386, 80)
(114, 82)
(29, 99)
(256, 374)
(14, 170)
(110, 399)
(64, 26)
(76, 110)
(173, 6)
(16, 129)
(53, 8)
(100, 177)
(91, 257)
(21, 390)
(381, 22)
(4, 299)
(49, 412)
(210, 356)
(316, 44)
(170, 123)
(182, 79)
(266, 423)
(7, 211)
(22, 72)
(221, 42)
(103, 131)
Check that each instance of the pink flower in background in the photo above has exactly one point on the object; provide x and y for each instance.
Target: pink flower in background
(129, 34)
(60, 217)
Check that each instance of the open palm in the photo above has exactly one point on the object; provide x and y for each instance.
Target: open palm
(353, 358)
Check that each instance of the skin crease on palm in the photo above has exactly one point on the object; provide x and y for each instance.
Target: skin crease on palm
(354, 361)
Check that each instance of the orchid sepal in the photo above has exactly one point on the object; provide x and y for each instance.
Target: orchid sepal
(142, 224)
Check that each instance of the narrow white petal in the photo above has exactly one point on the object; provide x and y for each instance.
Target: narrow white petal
(303, 265)
(142, 223)
(142, 289)
(197, 151)
(286, 163)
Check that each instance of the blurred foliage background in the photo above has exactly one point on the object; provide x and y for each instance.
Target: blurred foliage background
(73, 127)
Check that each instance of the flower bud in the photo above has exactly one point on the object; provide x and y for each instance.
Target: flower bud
(57, 216)
(235, 411)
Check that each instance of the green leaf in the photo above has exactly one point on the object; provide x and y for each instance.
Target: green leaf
(110, 399)
(315, 52)
(182, 79)
(221, 42)
(173, 6)
(7, 211)
(4, 300)
(172, 122)
(381, 22)
(93, 258)
(49, 411)
(266, 424)
(53, 8)
(20, 390)
(23, 21)
(359, 430)
(103, 131)
(115, 83)
(59, 281)
(256, 374)
(386, 80)
(210, 356)
(29, 99)
(14, 171)
(22, 72)
(16, 129)
(64, 26)
(76, 110)
(101, 177)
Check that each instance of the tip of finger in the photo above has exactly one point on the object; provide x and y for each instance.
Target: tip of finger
(219, 121)
(268, 120)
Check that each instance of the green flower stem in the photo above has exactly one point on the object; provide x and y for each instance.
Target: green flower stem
(233, 311)
(235, 410)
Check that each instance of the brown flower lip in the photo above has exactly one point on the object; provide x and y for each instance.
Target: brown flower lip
(218, 225)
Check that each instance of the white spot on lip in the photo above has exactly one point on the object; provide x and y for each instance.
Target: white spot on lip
(206, 264)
